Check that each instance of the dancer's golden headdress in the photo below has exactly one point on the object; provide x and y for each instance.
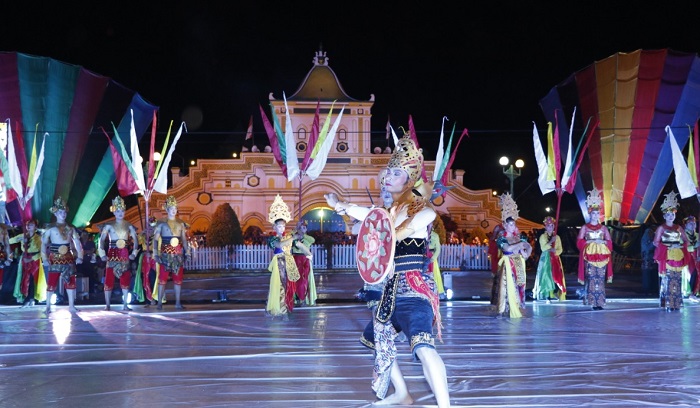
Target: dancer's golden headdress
(117, 204)
(59, 204)
(408, 157)
(593, 201)
(509, 209)
(670, 203)
(170, 202)
(279, 210)
(548, 220)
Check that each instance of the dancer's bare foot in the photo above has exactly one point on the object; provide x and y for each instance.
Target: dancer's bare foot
(126, 308)
(73, 309)
(108, 308)
(47, 311)
(160, 306)
(395, 399)
(179, 307)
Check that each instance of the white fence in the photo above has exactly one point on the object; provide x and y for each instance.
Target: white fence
(256, 257)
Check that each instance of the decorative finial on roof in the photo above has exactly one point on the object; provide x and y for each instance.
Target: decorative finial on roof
(320, 58)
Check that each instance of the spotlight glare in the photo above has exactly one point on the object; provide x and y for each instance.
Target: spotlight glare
(449, 294)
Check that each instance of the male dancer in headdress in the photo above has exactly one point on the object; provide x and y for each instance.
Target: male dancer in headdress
(171, 250)
(115, 237)
(61, 250)
(409, 299)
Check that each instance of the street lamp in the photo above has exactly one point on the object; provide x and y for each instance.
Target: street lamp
(510, 172)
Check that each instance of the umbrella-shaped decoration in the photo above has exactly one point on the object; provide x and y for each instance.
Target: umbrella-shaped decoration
(71, 104)
(633, 96)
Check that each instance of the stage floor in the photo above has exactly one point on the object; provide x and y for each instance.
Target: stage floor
(229, 354)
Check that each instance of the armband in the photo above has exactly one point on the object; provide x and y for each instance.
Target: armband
(338, 209)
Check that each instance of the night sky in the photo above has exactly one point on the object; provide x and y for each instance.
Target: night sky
(484, 65)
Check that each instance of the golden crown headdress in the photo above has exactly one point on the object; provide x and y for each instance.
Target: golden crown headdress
(508, 207)
(407, 156)
(279, 210)
(670, 203)
(548, 220)
(593, 201)
(170, 202)
(117, 204)
(58, 204)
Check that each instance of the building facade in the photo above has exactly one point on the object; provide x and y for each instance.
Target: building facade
(250, 182)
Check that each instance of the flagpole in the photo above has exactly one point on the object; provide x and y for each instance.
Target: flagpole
(301, 180)
(560, 194)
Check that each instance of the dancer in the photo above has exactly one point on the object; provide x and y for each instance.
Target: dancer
(61, 250)
(595, 259)
(511, 276)
(691, 284)
(283, 269)
(409, 299)
(306, 285)
(671, 255)
(115, 237)
(5, 254)
(170, 251)
(147, 266)
(494, 256)
(372, 292)
(550, 282)
(31, 272)
(434, 266)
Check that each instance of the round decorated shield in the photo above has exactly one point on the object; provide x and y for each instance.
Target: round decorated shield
(376, 243)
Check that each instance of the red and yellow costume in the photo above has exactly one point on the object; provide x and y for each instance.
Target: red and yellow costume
(510, 290)
(672, 256)
(146, 264)
(30, 270)
(306, 285)
(172, 261)
(550, 272)
(61, 264)
(118, 265)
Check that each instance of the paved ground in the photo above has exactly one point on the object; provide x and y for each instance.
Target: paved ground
(228, 354)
